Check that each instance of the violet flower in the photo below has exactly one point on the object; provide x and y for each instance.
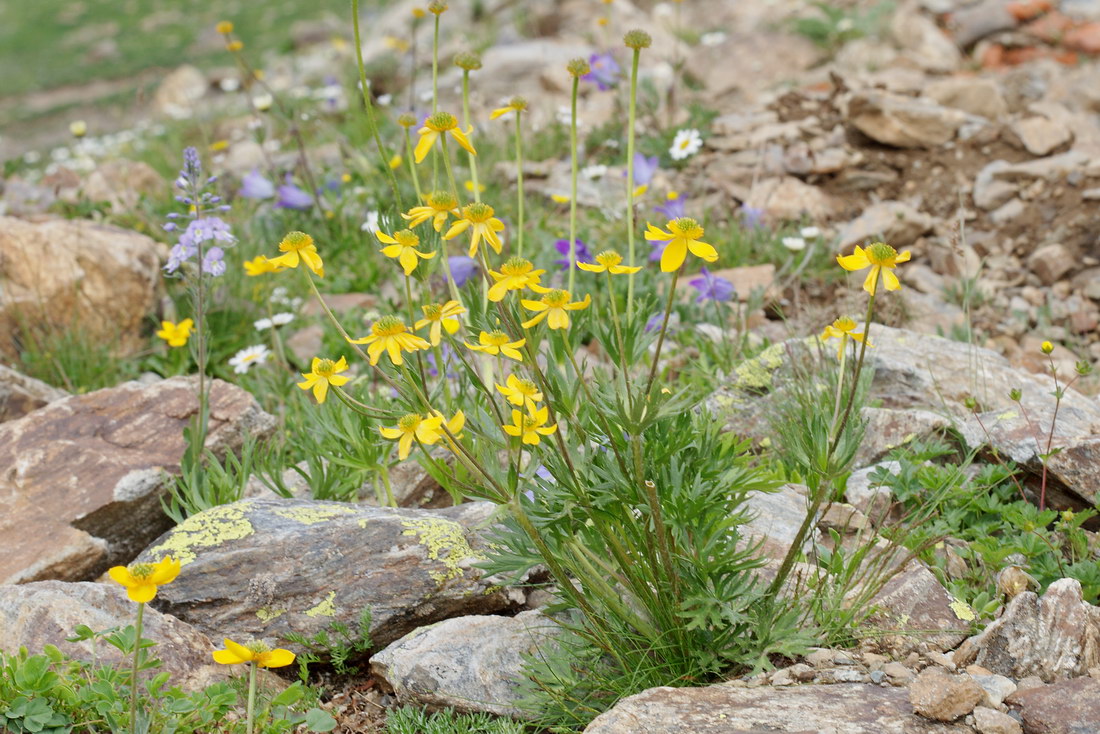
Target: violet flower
(583, 255)
(292, 197)
(673, 208)
(712, 287)
(644, 170)
(605, 71)
(462, 269)
(255, 185)
(752, 217)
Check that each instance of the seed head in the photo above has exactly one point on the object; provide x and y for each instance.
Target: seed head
(437, 7)
(637, 39)
(578, 67)
(518, 103)
(468, 60)
(406, 120)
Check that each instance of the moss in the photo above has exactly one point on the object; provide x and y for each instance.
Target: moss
(325, 608)
(314, 514)
(208, 529)
(446, 543)
(756, 373)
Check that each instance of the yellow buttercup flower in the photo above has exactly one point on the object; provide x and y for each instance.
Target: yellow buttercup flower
(881, 258)
(439, 204)
(515, 274)
(554, 307)
(142, 579)
(440, 317)
(469, 186)
(438, 124)
(427, 431)
(608, 261)
(683, 235)
(234, 46)
(479, 219)
(497, 342)
(224, 27)
(255, 652)
(260, 265)
(516, 104)
(401, 246)
(299, 247)
(390, 335)
(176, 334)
(520, 391)
(530, 426)
(322, 373)
(842, 329)
(1045, 347)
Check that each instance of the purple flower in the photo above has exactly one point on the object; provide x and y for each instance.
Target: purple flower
(462, 269)
(206, 229)
(712, 287)
(583, 255)
(292, 197)
(213, 262)
(673, 208)
(447, 352)
(178, 255)
(644, 169)
(255, 186)
(605, 71)
(751, 217)
(654, 322)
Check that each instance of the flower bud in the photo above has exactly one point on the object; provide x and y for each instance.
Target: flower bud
(578, 67)
(1015, 394)
(1083, 368)
(1046, 348)
(437, 7)
(637, 39)
(468, 60)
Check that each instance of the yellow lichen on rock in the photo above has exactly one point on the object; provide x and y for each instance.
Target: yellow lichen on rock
(208, 529)
(446, 543)
(266, 614)
(325, 608)
(756, 373)
(314, 515)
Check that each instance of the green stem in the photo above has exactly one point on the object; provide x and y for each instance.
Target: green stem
(840, 380)
(839, 428)
(649, 490)
(412, 165)
(630, 178)
(134, 668)
(443, 243)
(661, 336)
(623, 362)
(467, 124)
(435, 67)
(371, 122)
(250, 714)
(519, 186)
(573, 186)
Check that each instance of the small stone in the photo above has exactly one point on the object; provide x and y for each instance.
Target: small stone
(1051, 262)
(877, 676)
(897, 671)
(893, 222)
(903, 122)
(840, 675)
(1040, 135)
(988, 721)
(782, 677)
(820, 658)
(1008, 212)
(936, 694)
(874, 661)
(802, 672)
(980, 97)
(997, 688)
(942, 660)
(1067, 707)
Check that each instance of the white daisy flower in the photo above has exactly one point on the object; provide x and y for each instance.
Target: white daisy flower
(810, 233)
(593, 172)
(263, 324)
(281, 319)
(263, 102)
(715, 38)
(370, 224)
(686, 144)
(249, 356)
(794, 244)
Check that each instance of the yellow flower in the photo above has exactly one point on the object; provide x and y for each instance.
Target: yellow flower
(881, 258)
(322, 373)
(176, 334)
(260, 265)
(439, 205)
(234, 46)
(556, 305)
(78, 128)
(395, 161)
(842, 329)
(479, 219)
(560, 198)
(389, 334)
(397, 44)
(608, 261)
(530, 426)
(440, 317)
(402, 247)
(683, 234)
(427, 431)
(142, 579)
(1045, 347)
(497, 342)
(515, 274)
(219, 145)
(418, 13)
(299, 247)
(224, 27)
(520, 391)
(515, 104)
(438, 124)
(254, 652)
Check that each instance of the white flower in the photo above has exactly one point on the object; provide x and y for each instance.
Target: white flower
(794, 244)
(263, 102)
(810, 233)
(281, 319)
(249, 356)
(263, 324)
(713, 39)
(593, 172)
(686, 144)
(385, 100)
(229, 84)
(565, 116)
(370, 224)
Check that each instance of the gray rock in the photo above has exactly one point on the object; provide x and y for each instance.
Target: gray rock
(775, 520)
(888, 429)
(1040, 135)
(981, 97)
(997, 688)
(925, 43)
(942, 696)
(893, 222)
(1066, 707)
(466, 663)
(85, 474)
(20, 394)
(989, 192)
(903, 122)
(265, 568)
(847, 708)
(179, 92)
(990, 721)
(1051, 262)
(868, 496)
(788, 198)
(46, 612)
(913, 611)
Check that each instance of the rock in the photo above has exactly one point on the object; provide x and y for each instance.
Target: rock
(749, 62)
(1051, 262)
(24, 199)
(990, 193)
(893, 222)
(889, 429)
(122, 183)
(787, 198)
(1039, 135)
(1067, 707)
(867, 495)
(84, 475)
(851, 708)
(46, 612)
(942, 696)
(466, 663)
(1005, 214)
(914, 612)
(179, 91)
(20, 394)
(996, 687)
(981, 97)
(1054, 636)
(990, 721)
(777, 518)
(903, 122)
(265, 568)
(973, 23)
(925, 43)
(73, 274)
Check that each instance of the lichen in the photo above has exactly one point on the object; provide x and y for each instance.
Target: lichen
(266, 614)
(756, 373)
(1007, 415)
(962, 610)
(446, 544)
(315, 514)
(325, 608)
(208, 529)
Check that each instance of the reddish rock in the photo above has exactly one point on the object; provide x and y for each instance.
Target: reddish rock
(1069, 707)
(1084, 38)
(942, 696)
(20, 394)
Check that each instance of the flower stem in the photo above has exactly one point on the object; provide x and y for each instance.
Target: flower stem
(840, 379)
(249, 715)
(443, 244)
(573, 185)
(371, 122)
(467, 124)
(661, 336)
(134, 668)
(630, 179)
(412, 165)
(839, 428)
(519, 186)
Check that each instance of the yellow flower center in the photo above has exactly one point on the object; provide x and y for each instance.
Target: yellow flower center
(516, 266)
(432, 312)
(686, 227)
(325, 368)
(257, 646)
(609, 258)
(496, 338)
(406, 238)
(529, 423)
(442, 201)
(556, 298)
(441, 122)
(477, 212)
(880, 253)
(295, 241)
(526, 387)
(845, 324)
(518, 103)
(141, 570)
(388, 326)
(409, 423)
